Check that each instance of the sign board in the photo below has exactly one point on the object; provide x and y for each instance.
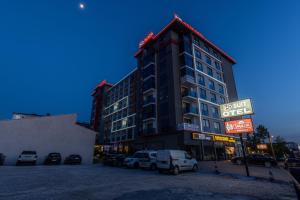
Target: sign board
(239, 126)
(200, 136)
(261, 146)
(237, 108)
(223, 138)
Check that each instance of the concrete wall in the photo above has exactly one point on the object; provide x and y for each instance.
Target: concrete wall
(45, 135)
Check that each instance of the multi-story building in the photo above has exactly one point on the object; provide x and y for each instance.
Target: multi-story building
(180, 80)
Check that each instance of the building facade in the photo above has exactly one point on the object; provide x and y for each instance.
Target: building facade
(46, 134)
(180, 80)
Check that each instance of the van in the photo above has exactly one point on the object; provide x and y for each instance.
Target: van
(175, 161)
(148, 161)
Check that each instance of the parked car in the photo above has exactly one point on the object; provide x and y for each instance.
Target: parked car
(133, 161)
(257, 159)
(2, 158)
(73, 160)
(53, 159)
(27, 157)
(148, 160)
(113, 159)
(291, 162)
(175, 161)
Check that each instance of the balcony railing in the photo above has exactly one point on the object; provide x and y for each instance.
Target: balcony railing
(188, 93)
(149, 100)
(191, 110)
(188, 79)
(188, 127)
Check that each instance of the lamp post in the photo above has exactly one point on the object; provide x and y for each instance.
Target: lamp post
(271, 144)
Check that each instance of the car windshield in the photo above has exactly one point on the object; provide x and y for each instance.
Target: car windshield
(28, 152)
(140, 155)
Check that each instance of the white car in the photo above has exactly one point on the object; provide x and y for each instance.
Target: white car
(148, 160)
(133, 161)
(28, 157)
(175, 161)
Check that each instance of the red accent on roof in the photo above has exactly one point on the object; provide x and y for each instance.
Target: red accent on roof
(101, 84)
(177, 19)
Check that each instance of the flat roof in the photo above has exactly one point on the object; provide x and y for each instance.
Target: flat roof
(177, 20)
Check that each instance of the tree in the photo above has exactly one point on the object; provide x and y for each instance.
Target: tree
(280, 147)
(261, 133)
(258, 137)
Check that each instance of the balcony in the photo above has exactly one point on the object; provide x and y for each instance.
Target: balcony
(191, 111)
(188, 81)
(150, 100)
(188, 127)
(149, 131)
(189, 95)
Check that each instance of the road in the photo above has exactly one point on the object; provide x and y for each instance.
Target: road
(101, 182)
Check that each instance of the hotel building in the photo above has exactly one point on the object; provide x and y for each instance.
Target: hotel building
(171, 99)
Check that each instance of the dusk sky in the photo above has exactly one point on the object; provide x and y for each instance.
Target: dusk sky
(53, 53)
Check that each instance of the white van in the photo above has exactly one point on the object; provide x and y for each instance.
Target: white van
(175, 161)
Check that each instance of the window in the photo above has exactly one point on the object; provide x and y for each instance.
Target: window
(221, 89)
(199, 66)
(210, 71)
(187, 60)
(204, 109)
(215, 112)
(213, 97)
(186, 71)
(217, 127)
(203, 93)
(222, 100)
(206, 48)
(197, 54)
(219, 76)
(208, 60)
(206, 125)
(217, 64)
(211, 84)
(201, 80)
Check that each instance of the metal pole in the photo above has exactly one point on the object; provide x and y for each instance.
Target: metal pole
(271, 144)
(244, 155)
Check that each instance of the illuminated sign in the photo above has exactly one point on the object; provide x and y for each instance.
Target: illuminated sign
(146, 39)
(200, 136)
(261, 146)
(239, 126)
(221, 138)
(237, 108)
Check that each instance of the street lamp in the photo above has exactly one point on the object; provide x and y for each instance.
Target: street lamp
(271, 144)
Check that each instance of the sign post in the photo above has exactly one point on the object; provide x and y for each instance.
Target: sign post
(235, 109)
(244, 154)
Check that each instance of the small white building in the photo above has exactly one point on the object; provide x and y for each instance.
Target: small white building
(45, 135)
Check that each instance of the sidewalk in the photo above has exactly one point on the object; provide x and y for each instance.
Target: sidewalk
(226, 167)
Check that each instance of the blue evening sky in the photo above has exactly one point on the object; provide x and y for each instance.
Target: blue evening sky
(52, 54)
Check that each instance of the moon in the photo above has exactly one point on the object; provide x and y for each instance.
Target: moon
(82, 6)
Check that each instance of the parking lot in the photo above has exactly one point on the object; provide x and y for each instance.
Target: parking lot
(104, 182)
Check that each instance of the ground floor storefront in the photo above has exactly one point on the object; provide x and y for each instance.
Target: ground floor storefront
(201, 146)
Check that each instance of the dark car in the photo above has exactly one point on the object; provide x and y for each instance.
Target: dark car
(2, 158)
(291, 162)
(73, 159)
(257, 159)
(113, 159)
(53, 159)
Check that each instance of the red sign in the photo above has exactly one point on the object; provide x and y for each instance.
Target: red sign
(146, 39)
(239, 126)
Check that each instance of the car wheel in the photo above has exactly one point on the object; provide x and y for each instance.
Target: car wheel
(195, 168)
(176, 170)
(153, 166)
(239, 162)
(267, 164)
